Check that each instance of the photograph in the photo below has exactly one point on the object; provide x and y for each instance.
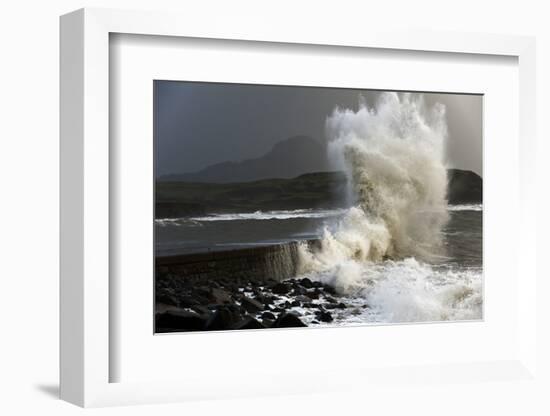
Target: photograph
(282, 206)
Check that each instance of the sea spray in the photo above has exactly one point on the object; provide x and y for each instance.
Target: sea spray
(393, 156)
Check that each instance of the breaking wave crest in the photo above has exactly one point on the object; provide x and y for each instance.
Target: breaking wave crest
(257, 216)
(273, 215)
(466, 207)
(393, 156)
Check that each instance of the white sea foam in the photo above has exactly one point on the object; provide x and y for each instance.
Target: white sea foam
(188, 222)
(273, 215)
(258, 216)
(466, 207)
(405, 291)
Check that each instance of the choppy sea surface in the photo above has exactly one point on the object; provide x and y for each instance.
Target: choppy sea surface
(448, 286)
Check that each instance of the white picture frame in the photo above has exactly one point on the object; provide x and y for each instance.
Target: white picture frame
(86, 355)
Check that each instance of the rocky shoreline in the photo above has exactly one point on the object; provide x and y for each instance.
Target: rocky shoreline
(192, 304)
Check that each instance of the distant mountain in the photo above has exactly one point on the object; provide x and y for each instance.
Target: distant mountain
(287, 159)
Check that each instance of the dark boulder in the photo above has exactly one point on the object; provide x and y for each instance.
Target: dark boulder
(268, 323)
(248, 323)
(220, 296)
(223, 318)
(281, 288)
(201, 310)
(288, 320)
(167, 299)
(265, 299)
(268, 315)
(268, 300)
(307, 283)
(201, 300)
(251, 305)
(299, 290)
(324, 316)
(314, 294)
(188, 302)
(329, 289)
(202, 291)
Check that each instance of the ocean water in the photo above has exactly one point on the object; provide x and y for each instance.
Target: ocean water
(218, 232)
(446, 286)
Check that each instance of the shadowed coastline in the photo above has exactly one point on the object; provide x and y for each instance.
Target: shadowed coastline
(325, 190)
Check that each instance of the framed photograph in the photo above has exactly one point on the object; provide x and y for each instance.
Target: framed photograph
(232, 202)
(366, 225)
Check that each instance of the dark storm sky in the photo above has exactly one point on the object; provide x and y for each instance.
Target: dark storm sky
(199, 124)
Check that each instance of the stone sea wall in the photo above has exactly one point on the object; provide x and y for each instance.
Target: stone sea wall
(276, 262)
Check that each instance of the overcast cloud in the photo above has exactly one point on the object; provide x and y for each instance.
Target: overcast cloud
(199, 124)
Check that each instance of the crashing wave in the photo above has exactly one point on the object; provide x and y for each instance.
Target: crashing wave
(393, 156)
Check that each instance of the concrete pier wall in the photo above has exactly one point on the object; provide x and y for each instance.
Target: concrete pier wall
(279, 261)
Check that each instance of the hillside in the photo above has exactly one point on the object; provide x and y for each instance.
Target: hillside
(464, 187)
(312, 190)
